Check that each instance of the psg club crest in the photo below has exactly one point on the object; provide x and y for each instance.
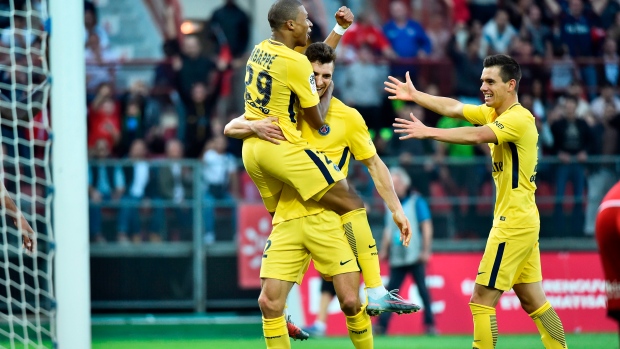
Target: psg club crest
(324, 130)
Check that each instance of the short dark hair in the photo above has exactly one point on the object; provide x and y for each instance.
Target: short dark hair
(508, 68)
(282, 11)
(571, 98)
(320, 52)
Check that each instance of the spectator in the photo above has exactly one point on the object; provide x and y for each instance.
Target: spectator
(98, 62)
(539, 101)
(175, 182)
(92, 27)
(198, 122)
(518, 11)
(606, 11)
(137, 177)
(601, 176)
(497, 34)
(165, 74)
(537, 31)
(611, 62)
(613, 32)
(221, 181)
(132, 127)
(363, 89)
(583, 106)
(104, 118)
(21, 34)
(439, 35)
(608, 96)
(572, 141)
(467, 64)
(365, 33)
(576, 28)
(406, 36)
(233, 26)
(104, 183)
(412, 259)
(482, 10)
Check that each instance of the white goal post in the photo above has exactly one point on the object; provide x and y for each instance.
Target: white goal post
(69, 154)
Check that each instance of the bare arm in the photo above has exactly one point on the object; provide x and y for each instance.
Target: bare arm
(265, 129)
(313, 116)
(407, 92)
(383, 182)
(28, 238)
(414, 128)
(344, 18)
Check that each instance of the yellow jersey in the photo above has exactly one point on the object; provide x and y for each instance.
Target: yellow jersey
(515, 157)
(278, 83)
(344, 134)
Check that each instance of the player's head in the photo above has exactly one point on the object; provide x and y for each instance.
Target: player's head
(500, 79)
(290, 18)
(322, 57)
(401, 180)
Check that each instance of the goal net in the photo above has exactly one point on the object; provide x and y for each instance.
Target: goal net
(27, 304)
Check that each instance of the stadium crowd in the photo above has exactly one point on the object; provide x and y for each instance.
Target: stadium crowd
(568, 50)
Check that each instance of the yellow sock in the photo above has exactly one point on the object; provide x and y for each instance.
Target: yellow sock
(360, 330)
(276, 333)
(364, 247)
(485, 326)
(549, 326)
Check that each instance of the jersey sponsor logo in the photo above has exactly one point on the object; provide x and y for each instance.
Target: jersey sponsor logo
(502, 218)
(336, 168)
(345, 262)
(359, 332)
(312, 83)
(324, 130)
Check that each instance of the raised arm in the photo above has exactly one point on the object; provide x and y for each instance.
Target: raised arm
(407, 92)
(383, 182)
(344, 18)
(265, 129)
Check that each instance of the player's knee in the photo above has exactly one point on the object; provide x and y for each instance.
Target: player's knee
(350, 304)
(270, 307)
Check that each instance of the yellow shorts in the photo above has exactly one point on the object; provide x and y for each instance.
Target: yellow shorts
(302, 167)
(511, 257)
(292, 243)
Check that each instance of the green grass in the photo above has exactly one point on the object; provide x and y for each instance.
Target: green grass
(581, 341)
(248, 336)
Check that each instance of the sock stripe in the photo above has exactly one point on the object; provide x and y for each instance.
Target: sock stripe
(551, 322)
(494, 331)
(348, 231)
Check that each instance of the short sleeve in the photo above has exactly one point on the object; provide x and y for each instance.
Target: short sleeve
(422, 210)
(360, 142)
(476, 114)
(509, 127)
(301, 82)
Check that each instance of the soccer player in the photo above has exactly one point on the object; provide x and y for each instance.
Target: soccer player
(303, 228)
(608, 239)
(511, 258)
(280, 83)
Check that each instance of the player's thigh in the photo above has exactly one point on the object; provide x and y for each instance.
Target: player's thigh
(608, 239)
(506, 253)
(284, 255)
(340, 198)
(268, 186)
(346, 286)
(297, 165)
(325, 239)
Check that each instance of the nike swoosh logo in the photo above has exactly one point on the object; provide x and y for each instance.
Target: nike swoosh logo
(481, 272)
(343, 263)
(371, 246)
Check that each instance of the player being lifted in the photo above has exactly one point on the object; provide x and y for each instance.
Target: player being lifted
(511, 258)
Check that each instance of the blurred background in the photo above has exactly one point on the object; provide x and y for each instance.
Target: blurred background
(177, 226)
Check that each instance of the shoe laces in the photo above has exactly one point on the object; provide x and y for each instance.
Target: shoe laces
(394, 295)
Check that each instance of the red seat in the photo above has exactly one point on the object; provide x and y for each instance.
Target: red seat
(438, 200)
(485, 203)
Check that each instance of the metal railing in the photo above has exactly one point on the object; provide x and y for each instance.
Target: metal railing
(180, 274)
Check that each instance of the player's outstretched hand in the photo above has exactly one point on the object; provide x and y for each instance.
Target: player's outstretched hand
(403, 225)
(29, 240)
(268, 130)
(413, 128)
(400, 90)
(344, 17)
